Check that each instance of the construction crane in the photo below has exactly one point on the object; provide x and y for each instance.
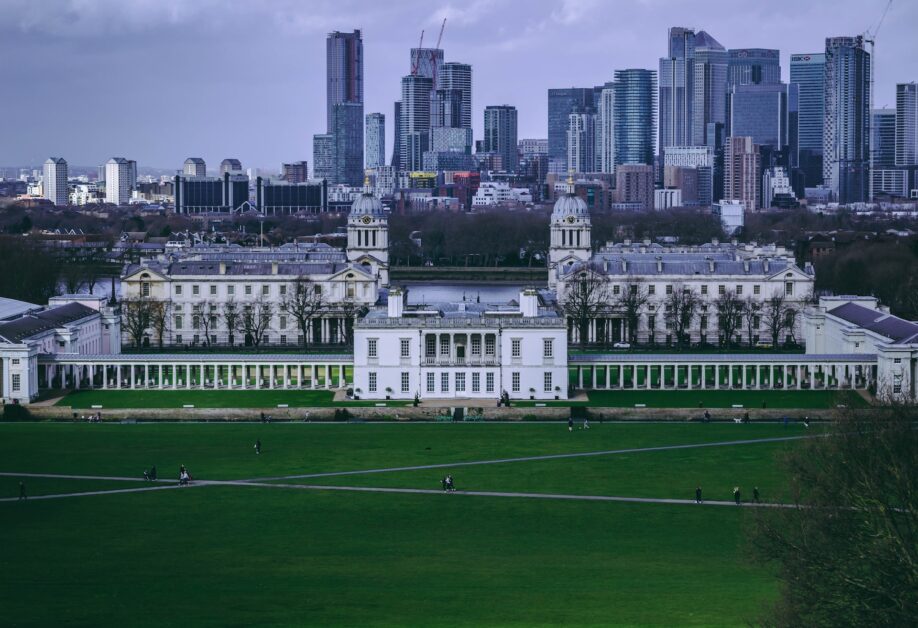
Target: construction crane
(443, 25)
(417, 59)
(870, 38)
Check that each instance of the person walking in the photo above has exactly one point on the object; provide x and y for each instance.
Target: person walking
(707, 416)
(755, 494)
(586, 424)
(746, 417)
(697, 494)
(153, 473)
(258, 446)
(736, 495)
(22, 492)
(570, 424)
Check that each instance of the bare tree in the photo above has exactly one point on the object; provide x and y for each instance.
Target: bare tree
(632, 301)
(231, 317)
(729, 315)
(349, 311)
(680, 307)
(136, 317)
(848, 552)
(159, 319)
(208, 318)
(255, 319)
(72, 277)
(586, 295)
(304, 301)
(752, 315)
(775, 311)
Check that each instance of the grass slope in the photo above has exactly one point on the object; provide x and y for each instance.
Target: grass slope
(85, 399)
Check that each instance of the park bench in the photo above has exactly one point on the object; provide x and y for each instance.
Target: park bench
(444, 418)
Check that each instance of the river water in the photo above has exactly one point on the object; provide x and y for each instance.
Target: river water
(435, 292)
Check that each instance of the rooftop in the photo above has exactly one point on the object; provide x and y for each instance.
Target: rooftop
(896, 329)
(11, 308)
(31, 324)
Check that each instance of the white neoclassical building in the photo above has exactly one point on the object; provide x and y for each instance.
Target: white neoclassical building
(710, 271)
(461, 350)
(205, 280)
(858, 325)
(71, 325)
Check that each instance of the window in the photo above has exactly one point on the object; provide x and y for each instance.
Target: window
(178, 289)
(231, 290)
(213, 290)
(266, 339)
(405, 346)
(283, 339)
(547, 347)
(406, 382)
(652, 289)
(371, 348)
(704, 289)
(789, 288)
(178, 339)
(371, 382)
(703, 324)
(897, 388)
(546, 381)
(248, 289)
(444, 345)
(651, 321)
(897, 360)
(489, 382)
(431, 382)
(195, 289)
(196, 339)
(460, 382)
(178, 321)
(196, 322)
(283, 322)
(283, 289)
(317, 289)
(444, 382)
(721, 289)
(616, 290)
(756, 289)
(476, 382)
(213, 339)
(515, 348)
(739, 290)
(15, 361)
(476, 345)
(669, 290)
(265, 290)
(489, 345)
(756, 321)
(145, 289)
(16, 381)
(430, 346)
(515, 379)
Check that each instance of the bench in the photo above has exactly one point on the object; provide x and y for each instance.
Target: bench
(444, 418)
(473, 418)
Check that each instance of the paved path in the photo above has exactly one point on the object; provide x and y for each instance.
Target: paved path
(62, 476)
(88, 493)
(585, 454)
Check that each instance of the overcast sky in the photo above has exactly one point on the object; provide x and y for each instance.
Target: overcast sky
(161, 80)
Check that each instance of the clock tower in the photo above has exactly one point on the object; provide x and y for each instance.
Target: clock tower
(570, 233)
(368, 235)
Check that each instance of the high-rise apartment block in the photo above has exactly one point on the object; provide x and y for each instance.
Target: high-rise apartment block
(54, 181)
(807, 71)
(753, 66)
(376, 140)
(344, 109)
(120, 178)
(742, 168)
(230, 165)
(561, 103)
(677, 88)
(635, 116)
(415, 121)
(296, 172)
(907, 124)
(194, 167)
(846, 138)
(500, 132)
(581, 141)
(709, 86)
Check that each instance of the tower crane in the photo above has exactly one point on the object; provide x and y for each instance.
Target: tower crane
(870, 38)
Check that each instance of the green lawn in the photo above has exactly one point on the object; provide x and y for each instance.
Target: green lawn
(236, 555)
(85, 399)
(726, 398)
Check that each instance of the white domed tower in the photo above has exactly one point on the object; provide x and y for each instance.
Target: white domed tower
(368, 234)
(570, 232)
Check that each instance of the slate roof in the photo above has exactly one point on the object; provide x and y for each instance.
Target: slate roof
(896, 329)
(11, 308)
(23, 328)
(683, 264)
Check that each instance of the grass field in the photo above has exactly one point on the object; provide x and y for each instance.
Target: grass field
(85, 399)
(726, 398)
(213, 555)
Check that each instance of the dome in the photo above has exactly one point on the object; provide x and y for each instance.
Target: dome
(570, 205)
(367, 205)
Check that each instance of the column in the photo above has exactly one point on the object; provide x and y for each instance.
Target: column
(688, 377)
(608, 376)
(342, 382)
(745, 366)
(703, 369)
(174, 377)
(271, 374)
(286, 368)
(217, 375)
(799, 374)
(104, 377)
(328, 376)
(118, 376)
(580, 377)
(812, 371)
(634, 376)
(188, 376)
(159, 378)
(621, 376)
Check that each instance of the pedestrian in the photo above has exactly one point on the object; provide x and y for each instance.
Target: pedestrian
(146, 475)
(153, 473)
(22, 493)
(570, 424)
(785, 421)
(697, 494)
(586, 424)
(443, 482)
(600, 418)
(806, 422)
(707, 416)
(736, 495)
(258, 446)
(755, 494)
(746, 416)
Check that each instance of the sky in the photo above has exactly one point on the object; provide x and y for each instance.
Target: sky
(161, 80)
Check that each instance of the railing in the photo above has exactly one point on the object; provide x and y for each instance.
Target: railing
(461, 361)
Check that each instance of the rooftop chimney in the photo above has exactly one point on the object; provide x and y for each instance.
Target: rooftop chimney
(659, 264)
(396, 303)
(529, 303)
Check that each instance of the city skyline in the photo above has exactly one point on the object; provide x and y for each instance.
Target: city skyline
(513, 65)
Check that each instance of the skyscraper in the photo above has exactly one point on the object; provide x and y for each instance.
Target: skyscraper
(120, 177)
(500, 129)
(458, 76)
(194, 167)
(605, 133)
(396, 162)
(742, 167)
(753, 66)
(344, 67)
(807, 71)
(581, 136)
(376, 140)
(230, 165)
(762, 111)
(635, 116)
(846, 140)
(883, 138)
(561, 102)
(907, 124)
(677, 88)
(54, 181)
(323, 156)
(709, 86)
(296, 172)
(415, 121)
